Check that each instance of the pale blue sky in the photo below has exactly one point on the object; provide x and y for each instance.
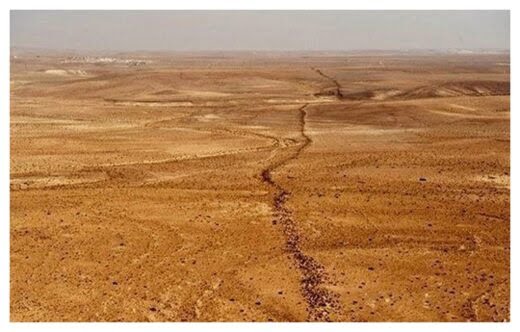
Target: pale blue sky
(259, 30)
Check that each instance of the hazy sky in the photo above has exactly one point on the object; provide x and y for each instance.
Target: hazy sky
(259, 30)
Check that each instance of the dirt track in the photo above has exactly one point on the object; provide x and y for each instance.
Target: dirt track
(251, 188)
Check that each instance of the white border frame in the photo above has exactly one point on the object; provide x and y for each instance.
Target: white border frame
(8, 5)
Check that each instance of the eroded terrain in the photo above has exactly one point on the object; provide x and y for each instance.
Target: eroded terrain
(267, 187)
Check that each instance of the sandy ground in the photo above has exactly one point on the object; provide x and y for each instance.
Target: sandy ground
(260, 188)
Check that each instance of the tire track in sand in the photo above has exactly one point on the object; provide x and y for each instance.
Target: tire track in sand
(321, 302)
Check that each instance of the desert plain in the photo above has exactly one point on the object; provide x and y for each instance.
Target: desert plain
(260, 187)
